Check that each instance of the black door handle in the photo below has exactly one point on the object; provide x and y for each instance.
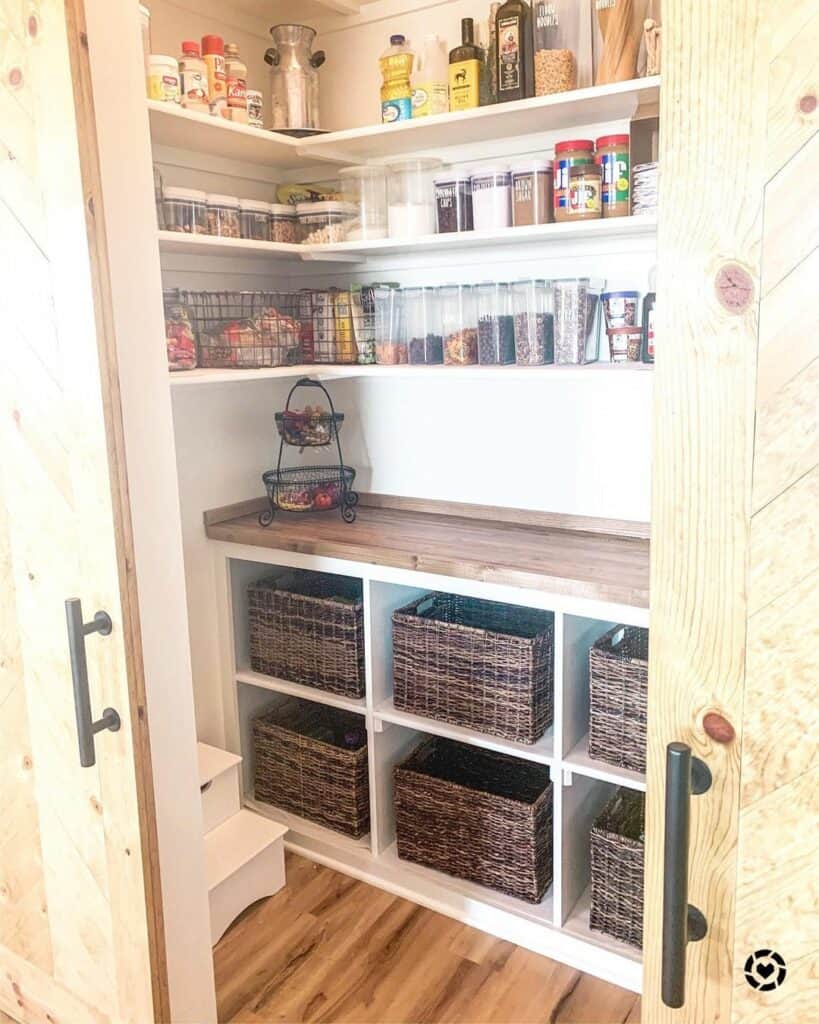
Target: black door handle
(87, 728)
(685, 776)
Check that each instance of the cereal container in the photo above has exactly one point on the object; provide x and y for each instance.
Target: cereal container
(577, 320)
(390, 335)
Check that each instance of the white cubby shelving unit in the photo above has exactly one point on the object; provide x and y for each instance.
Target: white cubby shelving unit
(559, 925)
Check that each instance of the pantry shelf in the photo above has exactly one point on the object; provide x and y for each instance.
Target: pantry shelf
(578, 760)
(302, 827)
(541, 752)
(250, 678)
(596, 567)
(210, 245)
(577, 924)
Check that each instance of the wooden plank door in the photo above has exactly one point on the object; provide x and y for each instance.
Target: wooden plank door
(735, 549)
(80, 935)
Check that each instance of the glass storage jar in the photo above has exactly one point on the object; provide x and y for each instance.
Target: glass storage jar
(453, 202)
(496, 323)
(492, 199)
(223, 216)
(390, 334)
(577, 320)
(324, 222)
(532, 302)
(422, 320)
(459, 324)
(255, 219)
(185, 209)
(612, 157)
(558, 35)
(585, 187)
(567, 154)
(366, 187)
(410, 197)
(532, 193)
(283, 223)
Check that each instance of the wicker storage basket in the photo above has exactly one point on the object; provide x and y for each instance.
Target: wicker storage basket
(618, 694)
(617, 845)
(312, 760)
(479, 664)
(478, 815)
(308, 627)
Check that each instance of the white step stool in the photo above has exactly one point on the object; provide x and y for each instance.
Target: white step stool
(244, 852)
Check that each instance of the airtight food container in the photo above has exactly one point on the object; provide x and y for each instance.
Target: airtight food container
(185, 209)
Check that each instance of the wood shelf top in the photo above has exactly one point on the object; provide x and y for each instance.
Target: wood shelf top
(573, 563)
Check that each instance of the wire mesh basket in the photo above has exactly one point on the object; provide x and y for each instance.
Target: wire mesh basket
(311, 488)
(245, 330)
(310, 427)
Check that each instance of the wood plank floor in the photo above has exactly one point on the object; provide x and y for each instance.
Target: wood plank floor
(331, 950)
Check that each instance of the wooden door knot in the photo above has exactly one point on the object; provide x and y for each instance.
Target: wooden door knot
(807, 103)
(734, 287)
(718, 728)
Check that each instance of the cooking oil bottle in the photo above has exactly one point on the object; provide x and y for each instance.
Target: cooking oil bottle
(396, 91)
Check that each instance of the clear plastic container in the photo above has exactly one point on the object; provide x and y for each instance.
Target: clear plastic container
(496, 323)
(422, 319)
(223, 216)
(255, 219)
(459, 324)
(410, 198)
(362, 303)
(284, 224)
(577, 320)
(325, 222)
(532, 193)
(557, 26)
(532, 302)
(367, 188)
(185, 209)
(453, 202)
(390, 333)
(492, 199)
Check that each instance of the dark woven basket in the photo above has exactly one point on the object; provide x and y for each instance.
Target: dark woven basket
(308, 627)
(618, 696)
(478, 815)
(479, 664)
(617, 849)
(311, 760)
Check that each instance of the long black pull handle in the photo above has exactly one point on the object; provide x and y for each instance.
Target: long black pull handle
(684, 776)
(78, 630)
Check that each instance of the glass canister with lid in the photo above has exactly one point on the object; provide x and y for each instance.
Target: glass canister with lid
(459, 322)
(223, 216)
(567, 155)
(366, 187)
(410, 197)
(185, 209)
(255, 219)
(326, 221)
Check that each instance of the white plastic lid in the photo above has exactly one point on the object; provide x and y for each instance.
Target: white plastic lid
(254, 205)
(218, 200)
(453, 174)
(163, 60)
(478, 173)
(191, 194)
(417, 164)
(282, 209)
(536, 165)
(362, 171)
(327, 206)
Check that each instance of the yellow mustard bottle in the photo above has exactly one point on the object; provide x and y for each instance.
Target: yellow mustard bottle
(464, 70)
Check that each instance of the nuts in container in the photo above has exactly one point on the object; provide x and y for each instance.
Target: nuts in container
(557, 34)
(223, 216)
(459, 319)
(325, 222)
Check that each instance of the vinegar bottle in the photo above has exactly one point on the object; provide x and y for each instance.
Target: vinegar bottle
(465, 70)
(513, 28)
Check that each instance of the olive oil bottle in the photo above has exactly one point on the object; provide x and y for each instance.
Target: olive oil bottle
(513, 30)
(464, 70)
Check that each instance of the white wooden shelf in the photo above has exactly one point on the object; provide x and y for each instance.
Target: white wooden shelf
(302, 827)
(578, 760)
(235, 842)
(577, 924)
(214, 245)
(175, 127)
(214, 761)
(556, 374)
(332, 700)
(542, 752)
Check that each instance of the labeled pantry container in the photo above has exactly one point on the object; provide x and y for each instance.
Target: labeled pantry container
(562, 42)
(496, 323)
(532, 187)
(254, 215)
(223, 216)
(459, 322)
(422, 319)
(411, 200)
(185, 209)
(492, 199)
(533, 305)
(453, 201)
(366, 188)
(283, 223)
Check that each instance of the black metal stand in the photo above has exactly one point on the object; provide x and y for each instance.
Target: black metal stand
(340, 475)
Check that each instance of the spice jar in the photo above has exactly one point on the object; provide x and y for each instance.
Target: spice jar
(492, 199)
(283, 223)
(557, 34)
(584, 192)
(255, 219)
(366, 187)
(453, 202)
(422, 319)
(459, 321)
(532, 194)
(613, 158)
(532, 304)
(185, 209)
(577, 323)
(163, 78)
(390, 335)
(223, 216)
(496, 323)
(255, 108)
(325, 222)
(567, 154)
